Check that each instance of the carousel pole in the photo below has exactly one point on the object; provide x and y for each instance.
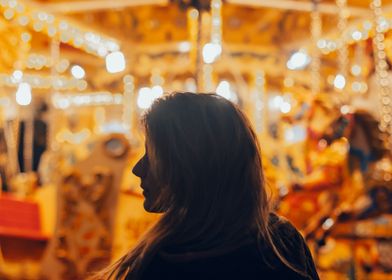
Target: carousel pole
(205, 68)
(316, 29)
(260, 101)
(359, 86)
(195, 24)
(203, 56)
(28, 141)
(129, 104)
(342, 77)
(214, 20)
(199, 55)
(55, 56)
(11, 132)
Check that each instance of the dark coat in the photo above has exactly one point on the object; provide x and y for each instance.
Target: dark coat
(246, 261)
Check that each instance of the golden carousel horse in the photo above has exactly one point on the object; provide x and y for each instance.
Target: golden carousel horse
(340, 151)
(345, 193)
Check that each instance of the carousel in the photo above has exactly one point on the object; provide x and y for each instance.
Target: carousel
(313, 76)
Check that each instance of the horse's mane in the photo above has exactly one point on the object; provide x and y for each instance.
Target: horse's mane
(373, 135)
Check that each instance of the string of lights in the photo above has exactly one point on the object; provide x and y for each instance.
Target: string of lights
(381, 67)
(42, 82)
(360, 32)
(259, 105)
(64, 30)
(65, 101)
(216, 22)
(316, 29)
(128, 103)
(342, 46)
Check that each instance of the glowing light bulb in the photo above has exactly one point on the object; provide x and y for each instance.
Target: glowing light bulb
(356, 35)
(157, 91)
(115, 62)
(23, 94)
(299, 60)
(276, 102)
(367, 24)
(295, 134)
(78, 72)
(102, 51)
(285, 107)
(339, 81)
(356, 86)
(345, 109)
(328, 223)
(223, 89)
(147, 96)
(211, 52)
(356, 70)
(190, 85)
(17, 76)
(184, 47)
(322, 43)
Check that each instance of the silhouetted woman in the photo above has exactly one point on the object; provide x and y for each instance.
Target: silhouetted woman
(202, 169)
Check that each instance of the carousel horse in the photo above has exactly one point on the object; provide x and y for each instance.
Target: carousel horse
(365, 148)
(340, 148)
(342, 155)
(315, 190)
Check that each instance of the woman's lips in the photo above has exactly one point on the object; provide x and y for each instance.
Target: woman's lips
(145, 192)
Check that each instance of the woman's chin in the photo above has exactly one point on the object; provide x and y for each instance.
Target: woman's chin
(149, 207)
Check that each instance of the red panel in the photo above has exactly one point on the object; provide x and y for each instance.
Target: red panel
(19, 218)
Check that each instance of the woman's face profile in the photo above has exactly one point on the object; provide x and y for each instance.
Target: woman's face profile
(149, 183)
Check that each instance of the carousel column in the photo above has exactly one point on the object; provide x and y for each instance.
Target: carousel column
(284, 181)
(341, 78)
(28, 140)
(342, 46)
(129, 104)
(20, 126)
(260, 101)
(11, 132)
(316, 29)
(205, 69)
(195, 31)
(206, 38)
(213, 49)
(265, 110)
(359, 86)
(26, 125)
(55, 56)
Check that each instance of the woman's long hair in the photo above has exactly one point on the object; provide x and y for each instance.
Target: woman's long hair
(206, 155)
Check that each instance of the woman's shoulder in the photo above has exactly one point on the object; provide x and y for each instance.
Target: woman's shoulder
(287, 239)
(282, 227)
(292, 245)
(284, 233)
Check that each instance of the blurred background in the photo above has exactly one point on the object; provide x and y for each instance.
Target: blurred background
(314, 78)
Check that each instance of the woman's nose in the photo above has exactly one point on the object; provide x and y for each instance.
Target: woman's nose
(140, 168)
